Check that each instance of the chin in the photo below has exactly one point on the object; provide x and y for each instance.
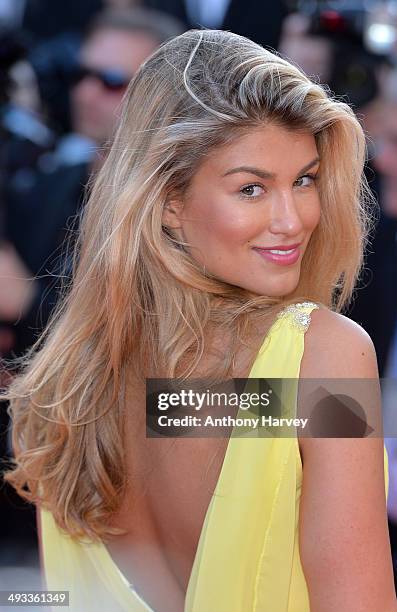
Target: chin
(88, 130)
(277, 289)
(278, 286)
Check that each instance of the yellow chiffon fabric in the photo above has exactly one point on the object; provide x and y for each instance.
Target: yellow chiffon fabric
(247, 558)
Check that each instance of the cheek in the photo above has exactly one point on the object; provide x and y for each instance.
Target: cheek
(220, 222)
(236, 227)
(111, 102)
(386, 162)
(83, 93)
(311, 214)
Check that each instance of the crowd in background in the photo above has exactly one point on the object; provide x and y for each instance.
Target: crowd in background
(64, 68)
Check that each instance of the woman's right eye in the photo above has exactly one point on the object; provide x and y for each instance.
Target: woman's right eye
(251, 191)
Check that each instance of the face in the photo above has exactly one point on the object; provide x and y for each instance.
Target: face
(386, 143)
(94, 105)
(247, 201)
(385, 160)
(312, 53)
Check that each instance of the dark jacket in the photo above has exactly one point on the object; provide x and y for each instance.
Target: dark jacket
(258, 20)
(375, 305)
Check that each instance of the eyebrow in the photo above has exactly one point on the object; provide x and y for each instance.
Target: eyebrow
(264, 173)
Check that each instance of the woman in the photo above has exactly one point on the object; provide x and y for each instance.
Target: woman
(210, 238)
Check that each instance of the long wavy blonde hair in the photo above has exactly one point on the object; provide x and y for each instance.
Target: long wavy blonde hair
(138, 302)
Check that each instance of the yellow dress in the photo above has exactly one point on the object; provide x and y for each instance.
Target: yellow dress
(247, 558)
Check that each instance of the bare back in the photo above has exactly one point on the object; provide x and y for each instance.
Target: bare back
(171, 482)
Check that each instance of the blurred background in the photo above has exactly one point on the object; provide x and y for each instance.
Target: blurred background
(64, 68)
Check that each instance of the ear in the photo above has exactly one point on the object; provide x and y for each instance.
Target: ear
(172, 214)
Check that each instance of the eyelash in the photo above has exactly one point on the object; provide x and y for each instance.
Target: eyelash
(314, 178)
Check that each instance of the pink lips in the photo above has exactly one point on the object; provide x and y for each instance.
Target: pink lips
(283, 260)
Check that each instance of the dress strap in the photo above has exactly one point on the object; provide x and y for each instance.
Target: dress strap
(281, 352)
(298, 314)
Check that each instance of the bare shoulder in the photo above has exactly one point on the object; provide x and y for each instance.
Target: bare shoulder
(336, 346)
(344, 542)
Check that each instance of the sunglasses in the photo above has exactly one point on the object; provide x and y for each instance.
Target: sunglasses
(112, 80)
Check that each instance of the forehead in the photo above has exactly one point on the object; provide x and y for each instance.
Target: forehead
(271, 147)
(116, 48)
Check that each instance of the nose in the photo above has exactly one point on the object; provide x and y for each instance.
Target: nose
(285, 218)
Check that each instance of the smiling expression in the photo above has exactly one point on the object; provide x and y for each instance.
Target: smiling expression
(247, 199)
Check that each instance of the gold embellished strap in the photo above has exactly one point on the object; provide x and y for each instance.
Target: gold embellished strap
(297, 316)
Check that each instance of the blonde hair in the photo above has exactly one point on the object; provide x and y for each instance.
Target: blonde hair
(138, 302)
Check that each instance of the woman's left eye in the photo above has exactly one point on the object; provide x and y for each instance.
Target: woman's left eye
(251, 191)
(305, 181)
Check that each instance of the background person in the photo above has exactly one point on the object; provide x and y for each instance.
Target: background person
(259, 21)
(42, 206)
(38, 223)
